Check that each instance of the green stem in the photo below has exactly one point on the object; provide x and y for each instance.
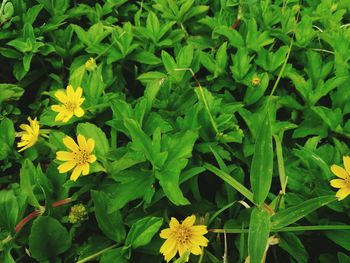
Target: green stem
(97, 254)
(285, 229)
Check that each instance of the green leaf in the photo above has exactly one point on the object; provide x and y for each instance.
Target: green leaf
(27, 183)
(90, 130)
(292, 214)
(262, 163)
(9, 210)
(292, 244)
(114, 255)
(259, 229)
(133, 185)
(111, 224)
(179, 147)
(48, 238)
(143, 231)
(10, 92)
(144, 144)
(7, 138)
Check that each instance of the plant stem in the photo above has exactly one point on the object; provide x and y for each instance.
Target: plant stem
(97, 254)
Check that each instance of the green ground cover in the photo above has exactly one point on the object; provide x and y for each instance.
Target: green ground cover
(174, 130)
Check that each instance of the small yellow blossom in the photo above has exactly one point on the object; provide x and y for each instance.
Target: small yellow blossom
(29, 135)
(71, 101)
(344, 182)
(256, 81)
(90, 64)
(77, 214)
(182, 238)
(79, 158)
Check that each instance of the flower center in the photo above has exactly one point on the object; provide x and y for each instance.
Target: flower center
(347, 181)
(81, 157)
(70, 106)
(183, 235)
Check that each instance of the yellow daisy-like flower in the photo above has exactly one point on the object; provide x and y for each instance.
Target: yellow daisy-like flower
(90, 64)
(71, 101)
(79, 158)
(183, 237)
(344, 182)
(29, 135)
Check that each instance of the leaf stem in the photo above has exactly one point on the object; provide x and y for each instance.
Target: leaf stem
(88, 258)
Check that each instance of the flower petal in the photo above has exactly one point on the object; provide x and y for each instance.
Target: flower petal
(78, 94)
(168, 246)
(65, 156)
(196, 250)
(61, 96)
(338, 183)
(174, 223)
(76, 172)
(57, 108)
(165, 233)
(70, 144)
(343, 193)
(65, 167)
(78, 111)
(170, 255)
(339, 171)
(70, 92)
(346, 160)
(86, 169)
(82, 142)
(90, 145)
(189, 221)
(92, 158)
(199, 240)
(199, 230)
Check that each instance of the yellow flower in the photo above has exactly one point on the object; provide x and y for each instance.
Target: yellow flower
(71, 101)
(344, 182)
(256, 81)
(29, 135)
(183, 237)
(90, 64)
(79, 158)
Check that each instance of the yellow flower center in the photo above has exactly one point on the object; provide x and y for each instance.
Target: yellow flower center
(70, 106)
(183, 234)
(347, 181)
(81, 157)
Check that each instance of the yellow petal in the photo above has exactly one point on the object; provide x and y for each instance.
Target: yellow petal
(76, 172)
(92, 158)
(90, 145)
(182, 248)
(57, 108)
(64, 156)
(346, 160)
(82, 142)
(165, 233)
(86, 169)
(338, 183)
(189, 221)
(78, 111)
(68, 116)
(70, 144)
(343, 193)
(168, 246)
(199, 230)
(61, 96)
(174, 223)
(339, 171)
(65, 167)
(199, 240)
(170, 255)
(78, 94)
(196, 250)
(70, 92)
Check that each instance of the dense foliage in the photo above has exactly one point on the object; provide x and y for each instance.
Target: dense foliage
(229, 110)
